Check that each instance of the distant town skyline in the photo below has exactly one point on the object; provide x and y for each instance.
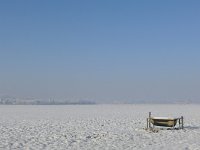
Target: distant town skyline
(103, 51)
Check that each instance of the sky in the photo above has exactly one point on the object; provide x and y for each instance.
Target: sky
(99, 50)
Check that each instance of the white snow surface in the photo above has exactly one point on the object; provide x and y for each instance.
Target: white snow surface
(90, 127)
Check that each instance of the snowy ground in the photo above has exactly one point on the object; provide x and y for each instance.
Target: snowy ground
(95, 127)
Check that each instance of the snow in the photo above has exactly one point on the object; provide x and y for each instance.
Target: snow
(166, 118)
(89, 127)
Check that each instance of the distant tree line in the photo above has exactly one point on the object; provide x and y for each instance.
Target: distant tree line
(14, 101)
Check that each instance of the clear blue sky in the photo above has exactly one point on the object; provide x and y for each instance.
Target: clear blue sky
(100, 50)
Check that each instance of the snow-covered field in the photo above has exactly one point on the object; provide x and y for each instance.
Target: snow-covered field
(96, 127)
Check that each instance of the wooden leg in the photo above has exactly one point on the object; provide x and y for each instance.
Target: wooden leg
(149, 120)
(182, 122)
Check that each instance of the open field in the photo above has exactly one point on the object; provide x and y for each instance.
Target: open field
(95, 127)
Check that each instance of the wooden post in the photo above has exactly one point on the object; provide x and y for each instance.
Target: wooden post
(149, 120)
(182, 121)
(147, 123)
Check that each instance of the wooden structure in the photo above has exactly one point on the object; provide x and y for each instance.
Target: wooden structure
(164, 122)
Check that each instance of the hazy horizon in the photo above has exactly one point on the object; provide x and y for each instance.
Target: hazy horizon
(102, 51)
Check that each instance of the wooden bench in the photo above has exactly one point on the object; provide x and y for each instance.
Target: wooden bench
(164, 122)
